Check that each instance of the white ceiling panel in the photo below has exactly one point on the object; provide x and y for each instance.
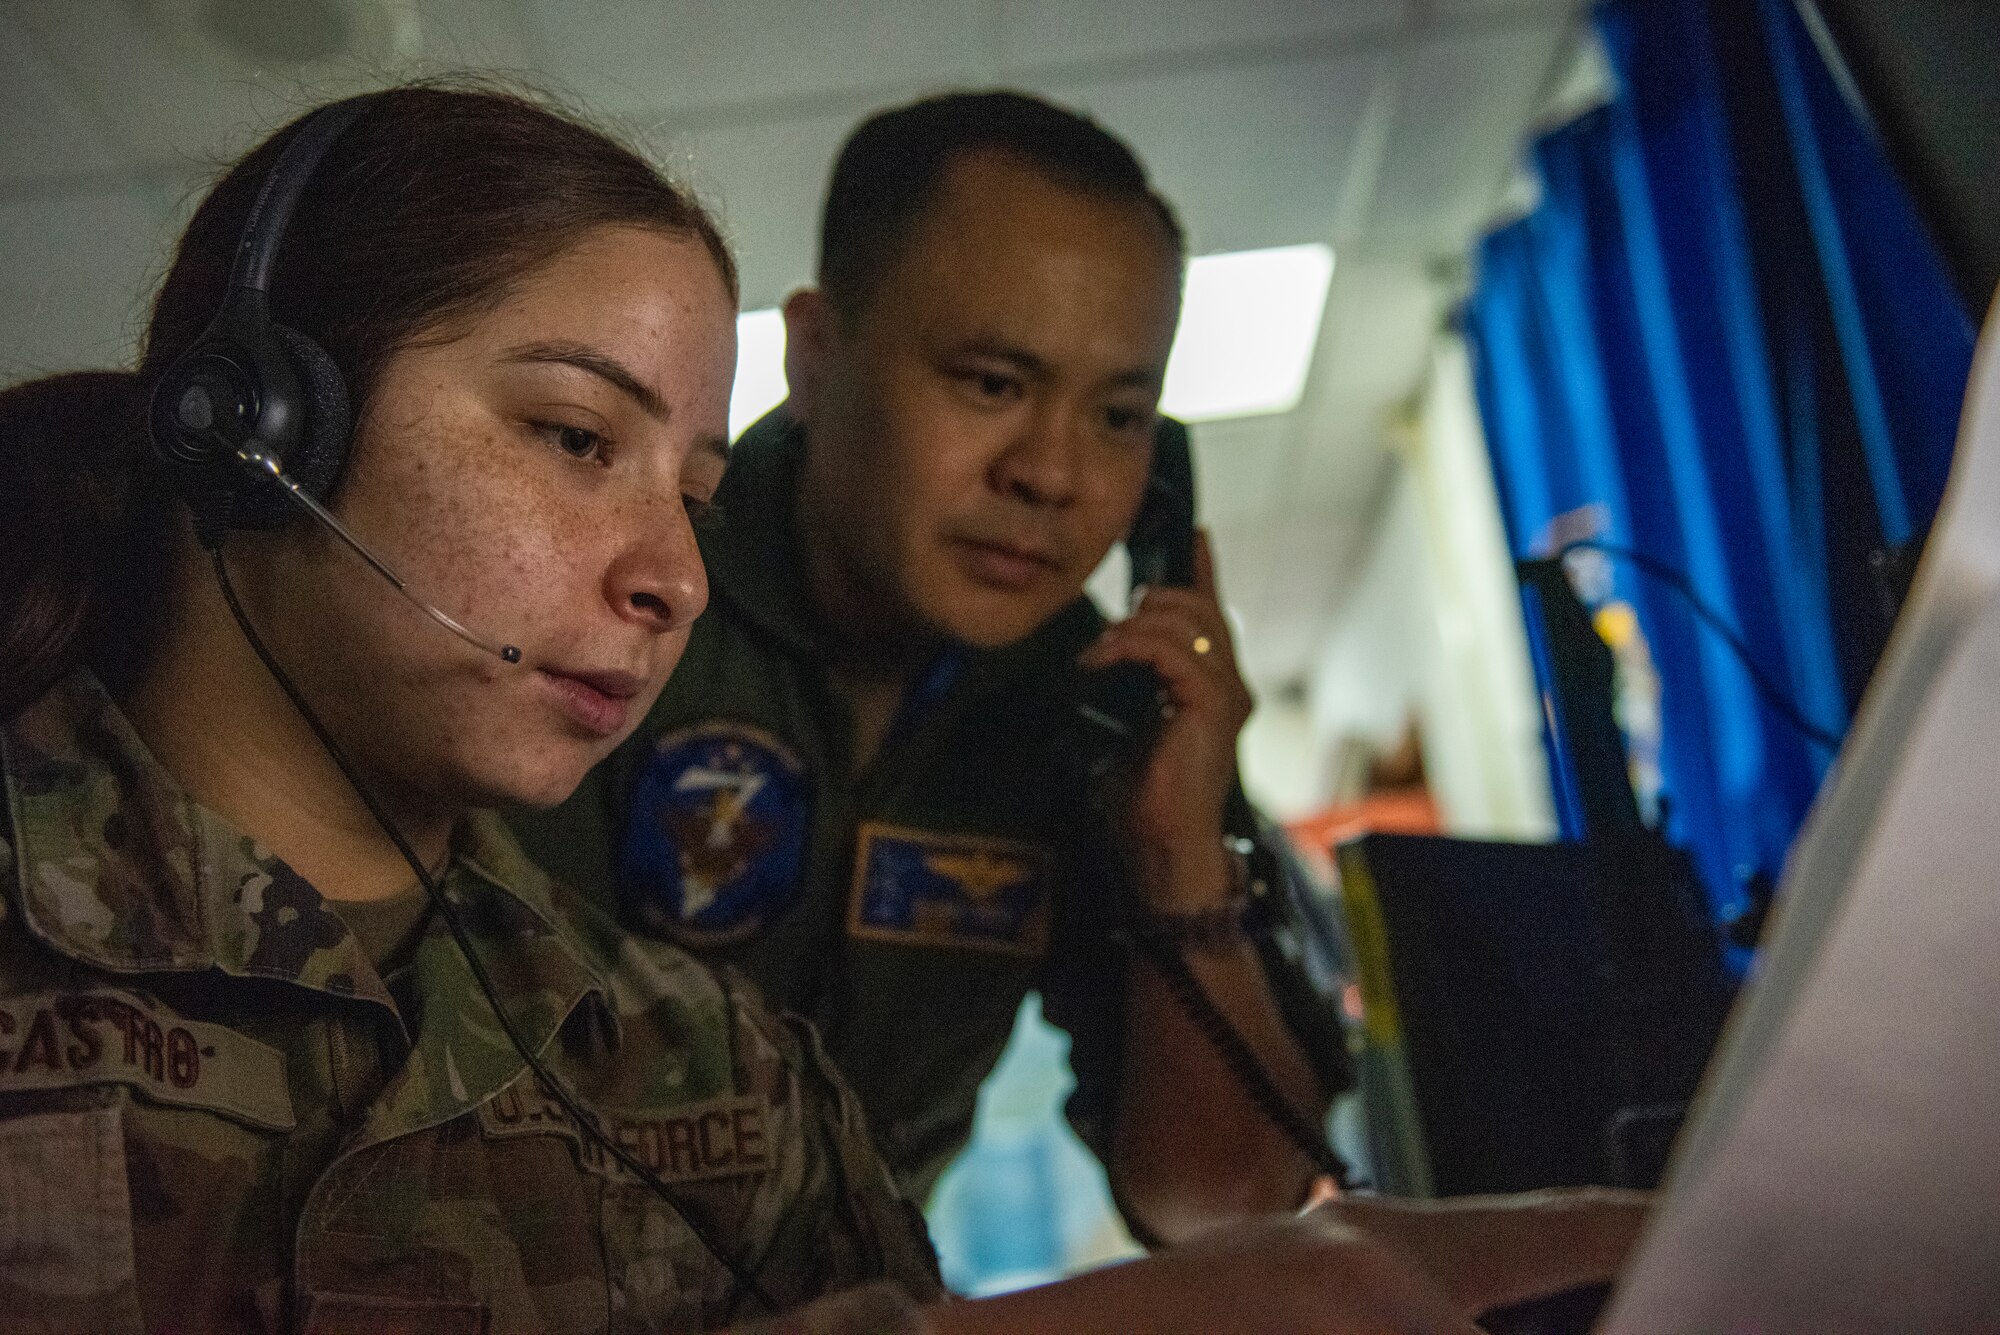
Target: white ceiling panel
(1042, 33)
(1251, 157)
(1332, 467)
(1466, 98)
(1239, 465)
(1448, 10)
(767, 180)
(168, 98)
(1310, 575)
(626, 55)
(1281, 577)
(47, 133)
(78, 278)
(1380, 317)
(477, 34)
(1245, 549)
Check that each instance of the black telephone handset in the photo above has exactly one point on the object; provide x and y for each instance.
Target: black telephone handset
(1118, 709)
(1115, 715)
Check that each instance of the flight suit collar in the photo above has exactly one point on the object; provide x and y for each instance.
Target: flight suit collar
(753, 554)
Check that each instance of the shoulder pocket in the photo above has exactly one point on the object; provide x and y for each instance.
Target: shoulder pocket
(66, 1258)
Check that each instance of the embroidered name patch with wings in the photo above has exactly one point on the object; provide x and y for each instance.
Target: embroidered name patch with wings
(918, 887)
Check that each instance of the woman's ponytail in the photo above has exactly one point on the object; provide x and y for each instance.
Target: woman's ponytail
(81, 524)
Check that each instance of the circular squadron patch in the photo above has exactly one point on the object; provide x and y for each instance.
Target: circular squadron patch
(715, 838)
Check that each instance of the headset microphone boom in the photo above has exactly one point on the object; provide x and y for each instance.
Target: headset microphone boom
(261, 461)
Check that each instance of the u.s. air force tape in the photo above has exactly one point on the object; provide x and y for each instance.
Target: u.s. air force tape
(57, 1040)
(694, 1142)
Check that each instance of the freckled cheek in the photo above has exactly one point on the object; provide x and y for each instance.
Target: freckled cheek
(535, 552)
(482, 533)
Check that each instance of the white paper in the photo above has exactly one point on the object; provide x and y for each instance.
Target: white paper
(1843, 1170)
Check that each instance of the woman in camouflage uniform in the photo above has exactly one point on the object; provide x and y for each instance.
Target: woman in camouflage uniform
(248, 1079)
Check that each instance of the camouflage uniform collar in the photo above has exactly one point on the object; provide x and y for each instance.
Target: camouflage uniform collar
(461, 1057)
(120, 868)
(485, 847)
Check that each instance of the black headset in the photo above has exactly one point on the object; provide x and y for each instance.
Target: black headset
(250, 383)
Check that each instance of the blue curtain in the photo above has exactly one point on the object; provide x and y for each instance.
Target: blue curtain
(1725, 329)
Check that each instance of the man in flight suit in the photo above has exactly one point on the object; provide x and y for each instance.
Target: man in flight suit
(848, 788)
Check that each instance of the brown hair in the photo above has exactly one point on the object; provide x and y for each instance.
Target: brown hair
(423, 214)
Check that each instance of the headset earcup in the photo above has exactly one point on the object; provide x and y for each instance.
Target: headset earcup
(315, 460)
(329, 421)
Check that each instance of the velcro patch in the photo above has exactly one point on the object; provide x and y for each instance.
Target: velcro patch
(714, 843)
(918, 887)
(56, 1040)
(696, 1142)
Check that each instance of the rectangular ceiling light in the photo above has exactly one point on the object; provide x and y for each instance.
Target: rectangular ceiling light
(1249, 320)
(760, 368)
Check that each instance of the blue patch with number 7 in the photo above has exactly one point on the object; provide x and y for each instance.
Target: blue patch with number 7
(715, 840)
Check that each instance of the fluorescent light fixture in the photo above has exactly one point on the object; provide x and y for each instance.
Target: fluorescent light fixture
(760, 368)
(1249, 320)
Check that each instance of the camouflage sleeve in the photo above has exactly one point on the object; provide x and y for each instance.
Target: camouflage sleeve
(887, 1236)
(877, 1309)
